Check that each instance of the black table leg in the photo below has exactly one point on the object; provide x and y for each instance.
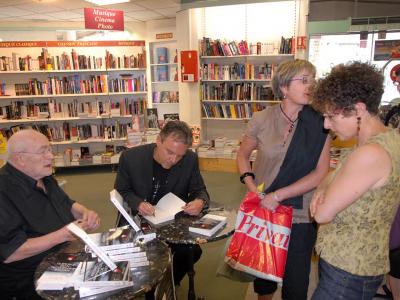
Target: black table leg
(191, 273)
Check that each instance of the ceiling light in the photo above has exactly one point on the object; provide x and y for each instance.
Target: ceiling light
(107, 2)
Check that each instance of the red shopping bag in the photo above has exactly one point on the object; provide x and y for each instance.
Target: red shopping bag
(260, 243)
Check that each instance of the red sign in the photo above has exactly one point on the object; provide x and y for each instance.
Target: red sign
(393, 72)
(104, 19)
(41, 44)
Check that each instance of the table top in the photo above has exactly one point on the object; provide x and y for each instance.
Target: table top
(144, 278)
(177, 231)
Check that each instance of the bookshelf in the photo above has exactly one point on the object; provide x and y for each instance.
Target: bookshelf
(164, 77)
(235, 83)
(82, 95)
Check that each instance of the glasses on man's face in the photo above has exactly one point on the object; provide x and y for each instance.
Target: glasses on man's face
(396, 83)
(43, 151)
(304, 79)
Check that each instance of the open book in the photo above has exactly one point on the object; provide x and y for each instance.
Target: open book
(166, 209)
(142, 234)
(208, 225)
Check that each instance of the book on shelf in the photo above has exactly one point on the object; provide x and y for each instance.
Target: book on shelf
(162, 55)
(166, 97)
(166, 209)
(171, 117)
(208, 225)
(152, 118)
(162, 73)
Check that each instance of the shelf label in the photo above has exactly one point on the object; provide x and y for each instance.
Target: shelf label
(45, 44)
(163, 36)
(104, 19)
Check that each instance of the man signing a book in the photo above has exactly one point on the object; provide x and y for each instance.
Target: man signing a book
(34, 212)
(146, 173)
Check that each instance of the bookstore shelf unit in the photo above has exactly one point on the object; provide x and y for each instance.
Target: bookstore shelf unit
(234, 86)
(164, 78)
(82, 95)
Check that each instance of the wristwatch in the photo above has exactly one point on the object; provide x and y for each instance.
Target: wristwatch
(245, 174)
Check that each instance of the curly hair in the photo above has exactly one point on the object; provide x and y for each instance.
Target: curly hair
(285, 72)
(346, 85)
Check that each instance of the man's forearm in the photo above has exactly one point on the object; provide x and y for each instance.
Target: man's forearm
(78, 210)
(34, 246)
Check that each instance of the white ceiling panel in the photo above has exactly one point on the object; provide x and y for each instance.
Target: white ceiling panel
(65, 15)
(38, 7)
(135, 10)
(13, 11)
(155, 4)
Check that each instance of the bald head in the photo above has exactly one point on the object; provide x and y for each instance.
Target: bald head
(23, 141)
(29, 151)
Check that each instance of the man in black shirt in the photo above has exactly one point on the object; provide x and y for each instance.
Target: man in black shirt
(34, 212)
(147, 173)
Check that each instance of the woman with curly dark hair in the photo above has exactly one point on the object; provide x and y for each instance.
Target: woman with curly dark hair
(356, 203)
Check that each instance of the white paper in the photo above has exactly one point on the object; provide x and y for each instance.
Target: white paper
(166, 209)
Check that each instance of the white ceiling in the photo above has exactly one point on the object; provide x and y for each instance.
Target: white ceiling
(72, 10)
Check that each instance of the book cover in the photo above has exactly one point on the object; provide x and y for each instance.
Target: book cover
(166, 209)
(162, 55)
(152, 118)
(162, 73)
(171, 117)
(208, 225)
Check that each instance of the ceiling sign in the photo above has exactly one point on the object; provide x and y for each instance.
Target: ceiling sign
(104, 19)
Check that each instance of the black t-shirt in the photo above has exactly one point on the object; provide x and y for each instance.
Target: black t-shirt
(26, 211)
(160, 182)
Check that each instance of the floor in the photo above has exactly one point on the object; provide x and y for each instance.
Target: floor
(91, 187)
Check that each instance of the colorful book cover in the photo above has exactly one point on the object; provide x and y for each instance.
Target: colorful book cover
(162, 55)
(162, 73)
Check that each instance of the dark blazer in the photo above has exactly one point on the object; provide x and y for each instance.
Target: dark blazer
(135, 177)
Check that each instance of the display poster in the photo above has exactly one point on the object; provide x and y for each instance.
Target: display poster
(104, 19)
(386, 49)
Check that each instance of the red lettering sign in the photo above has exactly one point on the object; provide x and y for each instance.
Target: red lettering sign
(104, 19)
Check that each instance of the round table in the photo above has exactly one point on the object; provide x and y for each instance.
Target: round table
(144, 278)
(177, 232)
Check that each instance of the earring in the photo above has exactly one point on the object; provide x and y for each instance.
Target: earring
(284, 96)
(358, 127)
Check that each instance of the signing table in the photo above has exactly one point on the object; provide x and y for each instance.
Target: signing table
(177, 232)
(157, 274)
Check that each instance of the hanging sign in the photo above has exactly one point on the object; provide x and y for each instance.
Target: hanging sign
(104, 19)
(386, 49)
(301, 42)
(163, 36)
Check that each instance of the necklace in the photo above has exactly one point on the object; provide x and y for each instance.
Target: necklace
(291, 122)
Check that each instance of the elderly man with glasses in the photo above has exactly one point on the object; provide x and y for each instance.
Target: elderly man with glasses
(34, 213)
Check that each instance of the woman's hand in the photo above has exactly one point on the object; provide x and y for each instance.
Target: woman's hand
(269, 202)
(317, 199)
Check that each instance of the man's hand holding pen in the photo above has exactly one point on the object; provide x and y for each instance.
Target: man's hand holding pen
(146, 209)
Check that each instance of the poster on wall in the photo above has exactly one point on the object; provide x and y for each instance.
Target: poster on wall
(386, 49)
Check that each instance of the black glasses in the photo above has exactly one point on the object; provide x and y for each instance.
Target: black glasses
(304, 79)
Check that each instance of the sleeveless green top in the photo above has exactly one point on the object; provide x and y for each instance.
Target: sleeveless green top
(357, 240)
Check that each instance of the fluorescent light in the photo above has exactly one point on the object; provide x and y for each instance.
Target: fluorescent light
(107, 2)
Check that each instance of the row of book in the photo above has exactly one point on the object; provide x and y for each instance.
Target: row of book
(70, 61)
(128, 83)
(22, 110)
(74, 84)
(231, 111)
(67, 132)
(236, 91)
(210, 47)
(166, 97)
(236, 71)
(117, 62)
(162, 73)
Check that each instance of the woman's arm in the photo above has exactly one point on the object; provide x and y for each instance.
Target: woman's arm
(247, 146)
(368, 167)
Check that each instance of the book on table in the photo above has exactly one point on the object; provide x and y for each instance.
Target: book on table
(166, 209)
(208, 225)
(143, 235)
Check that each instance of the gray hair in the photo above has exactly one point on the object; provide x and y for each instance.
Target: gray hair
(179, 130)
(285, 72)
(21, 141)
